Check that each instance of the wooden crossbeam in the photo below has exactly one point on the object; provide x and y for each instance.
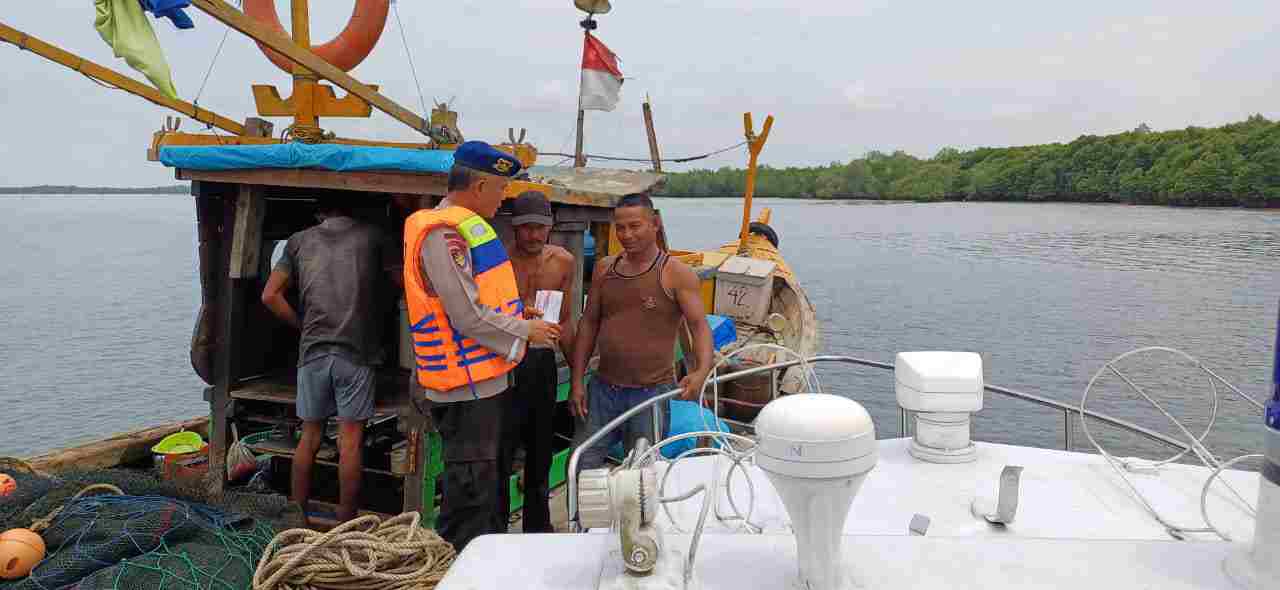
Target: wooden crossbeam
(114, 78)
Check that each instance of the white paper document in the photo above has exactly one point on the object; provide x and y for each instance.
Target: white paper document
(548, 302)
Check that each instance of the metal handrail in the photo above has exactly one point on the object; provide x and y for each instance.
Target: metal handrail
(1067, 410)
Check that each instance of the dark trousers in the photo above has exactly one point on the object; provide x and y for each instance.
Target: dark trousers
(472, 485)
(530, 416)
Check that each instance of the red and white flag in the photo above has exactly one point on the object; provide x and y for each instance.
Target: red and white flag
(601, 78)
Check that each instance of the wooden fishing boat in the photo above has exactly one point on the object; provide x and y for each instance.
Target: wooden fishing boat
(247, 203)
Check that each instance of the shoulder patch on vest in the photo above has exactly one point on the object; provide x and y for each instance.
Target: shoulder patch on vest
(458, 250)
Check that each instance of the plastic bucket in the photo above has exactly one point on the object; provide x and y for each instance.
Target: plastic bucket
(179, 443)
(185, 466)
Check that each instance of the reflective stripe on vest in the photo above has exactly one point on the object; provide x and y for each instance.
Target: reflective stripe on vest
(447, 359)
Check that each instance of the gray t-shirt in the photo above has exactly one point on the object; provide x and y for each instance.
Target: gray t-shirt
(337, 266)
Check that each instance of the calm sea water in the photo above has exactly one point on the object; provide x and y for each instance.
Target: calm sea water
(98, 296)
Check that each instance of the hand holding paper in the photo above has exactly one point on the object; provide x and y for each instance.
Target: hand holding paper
(548, 302)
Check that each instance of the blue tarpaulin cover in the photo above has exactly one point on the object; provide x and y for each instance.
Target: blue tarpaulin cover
(326, 156)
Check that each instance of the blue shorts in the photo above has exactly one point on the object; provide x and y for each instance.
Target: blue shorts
(332, 384)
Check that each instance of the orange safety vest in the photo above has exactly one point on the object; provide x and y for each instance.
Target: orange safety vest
(445, 358)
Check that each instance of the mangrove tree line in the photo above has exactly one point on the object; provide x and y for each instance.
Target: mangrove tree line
(1236, 164)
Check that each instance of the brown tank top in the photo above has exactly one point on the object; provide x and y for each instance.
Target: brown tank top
(639, 323)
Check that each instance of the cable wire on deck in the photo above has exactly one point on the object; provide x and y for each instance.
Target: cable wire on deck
(1195, 444)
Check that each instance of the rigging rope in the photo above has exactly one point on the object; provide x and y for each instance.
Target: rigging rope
(675, 160)
(216, 54)
(366, 553)
(412, 68)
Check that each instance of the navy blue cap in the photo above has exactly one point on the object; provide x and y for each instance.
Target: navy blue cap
(478, 155)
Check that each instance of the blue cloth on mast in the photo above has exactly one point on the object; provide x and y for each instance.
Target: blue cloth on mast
(326, 156)
(170, 9)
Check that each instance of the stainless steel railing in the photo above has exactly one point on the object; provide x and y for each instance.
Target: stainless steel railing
(1068, 411)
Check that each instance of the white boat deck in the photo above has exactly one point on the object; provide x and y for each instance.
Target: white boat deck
(742, 562)
(1077, 524)
(1063, 495)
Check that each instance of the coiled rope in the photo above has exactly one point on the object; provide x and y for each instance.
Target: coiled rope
(306, 133)
(365, 553)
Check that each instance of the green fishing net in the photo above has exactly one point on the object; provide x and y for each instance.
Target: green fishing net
(161, 534)
(136, 542)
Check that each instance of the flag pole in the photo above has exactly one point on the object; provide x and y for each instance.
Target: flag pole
(579, 157)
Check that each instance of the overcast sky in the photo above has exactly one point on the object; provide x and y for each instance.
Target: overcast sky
(841, 76)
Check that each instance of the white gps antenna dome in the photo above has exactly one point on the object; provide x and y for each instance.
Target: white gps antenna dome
(816, 450)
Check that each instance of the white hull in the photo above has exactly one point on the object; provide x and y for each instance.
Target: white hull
(1077, 525)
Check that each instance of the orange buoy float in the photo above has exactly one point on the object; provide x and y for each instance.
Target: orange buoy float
(20, 551)
(7, 485)
(345, 51)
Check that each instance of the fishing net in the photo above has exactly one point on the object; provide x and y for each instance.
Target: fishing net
(136, 542)
(37, 496)
(159, 534)
(31, 488)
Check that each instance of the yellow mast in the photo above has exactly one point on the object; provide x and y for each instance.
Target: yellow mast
(754, 145)
(116, 79)
(304, 82)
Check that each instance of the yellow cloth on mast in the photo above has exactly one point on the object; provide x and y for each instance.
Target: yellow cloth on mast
(125, 27)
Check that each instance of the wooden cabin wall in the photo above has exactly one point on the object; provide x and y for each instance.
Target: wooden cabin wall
(211, 264)
(236, 337)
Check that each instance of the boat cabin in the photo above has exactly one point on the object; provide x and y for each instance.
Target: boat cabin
(245, 214)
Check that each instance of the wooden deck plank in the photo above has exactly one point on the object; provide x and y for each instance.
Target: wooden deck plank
(390, 395)
(281, 448)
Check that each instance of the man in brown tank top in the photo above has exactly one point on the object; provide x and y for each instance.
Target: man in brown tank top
(633, 314)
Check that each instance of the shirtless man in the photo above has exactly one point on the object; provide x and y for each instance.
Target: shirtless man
(539, 267)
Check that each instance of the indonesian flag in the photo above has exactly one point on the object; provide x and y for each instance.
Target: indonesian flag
(601, 78)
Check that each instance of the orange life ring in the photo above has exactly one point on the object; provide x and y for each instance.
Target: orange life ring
(345, 51)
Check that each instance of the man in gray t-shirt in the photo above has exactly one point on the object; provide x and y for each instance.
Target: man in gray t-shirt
(337, 266)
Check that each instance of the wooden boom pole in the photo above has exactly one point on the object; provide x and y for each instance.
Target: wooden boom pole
(287, 47)
(653, 136)
(116, 79)
(754, 145)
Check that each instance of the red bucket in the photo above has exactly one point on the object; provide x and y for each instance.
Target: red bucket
(185, 467)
